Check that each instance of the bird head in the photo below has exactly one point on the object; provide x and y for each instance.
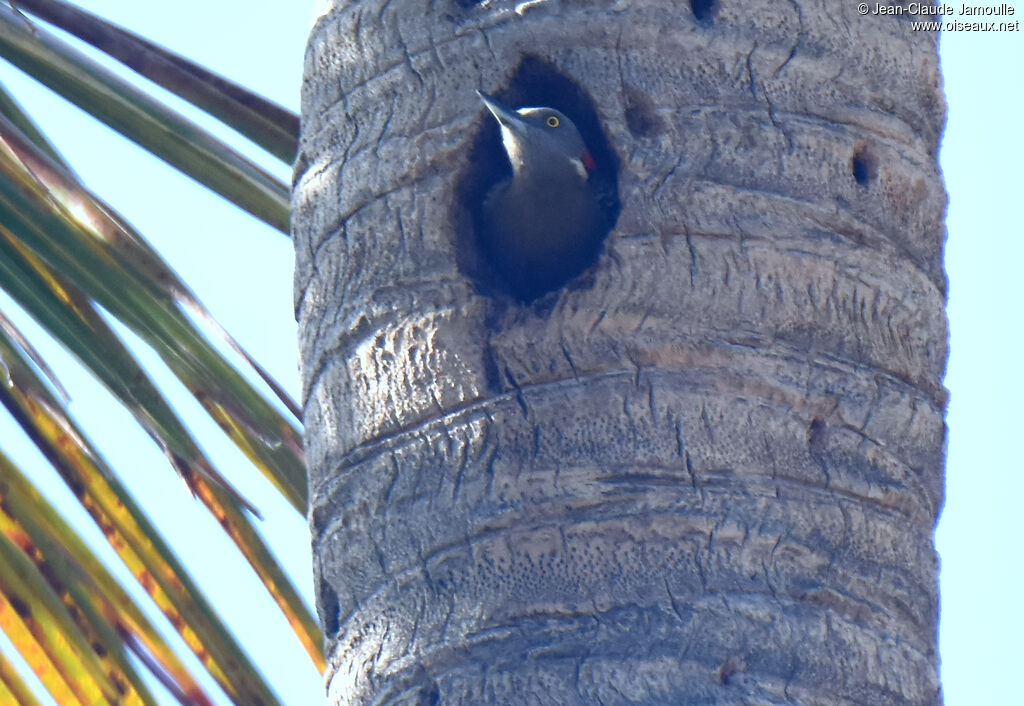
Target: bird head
(540, 140)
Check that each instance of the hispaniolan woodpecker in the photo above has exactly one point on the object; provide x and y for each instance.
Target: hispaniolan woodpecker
(545, 224)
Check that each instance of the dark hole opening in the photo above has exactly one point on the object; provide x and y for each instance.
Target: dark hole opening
(535, 83)
(863, 166)
(702, 9)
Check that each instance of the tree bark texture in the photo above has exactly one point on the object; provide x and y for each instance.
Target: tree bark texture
(708, 472)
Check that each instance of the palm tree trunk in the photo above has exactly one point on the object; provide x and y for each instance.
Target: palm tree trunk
(708, 472)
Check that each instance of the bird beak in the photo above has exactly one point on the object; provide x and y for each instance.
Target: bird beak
(506, 117)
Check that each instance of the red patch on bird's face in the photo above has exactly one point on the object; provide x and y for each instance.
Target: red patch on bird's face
(588, 161)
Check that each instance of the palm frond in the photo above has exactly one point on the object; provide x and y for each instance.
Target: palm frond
(142, 119)
(70, 261)
(268, 125)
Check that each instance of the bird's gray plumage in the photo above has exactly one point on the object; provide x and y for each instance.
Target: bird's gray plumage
(544, 224)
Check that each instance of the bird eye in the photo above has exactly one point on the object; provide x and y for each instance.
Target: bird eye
(552, 121)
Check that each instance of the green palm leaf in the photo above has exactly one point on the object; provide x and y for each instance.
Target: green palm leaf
(142, 119)
(66, 257)
(271, 127)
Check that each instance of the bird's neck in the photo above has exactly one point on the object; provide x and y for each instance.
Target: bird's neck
(549, 176)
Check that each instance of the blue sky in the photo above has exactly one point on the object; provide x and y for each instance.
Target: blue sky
(979, 535)
(260, 45)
